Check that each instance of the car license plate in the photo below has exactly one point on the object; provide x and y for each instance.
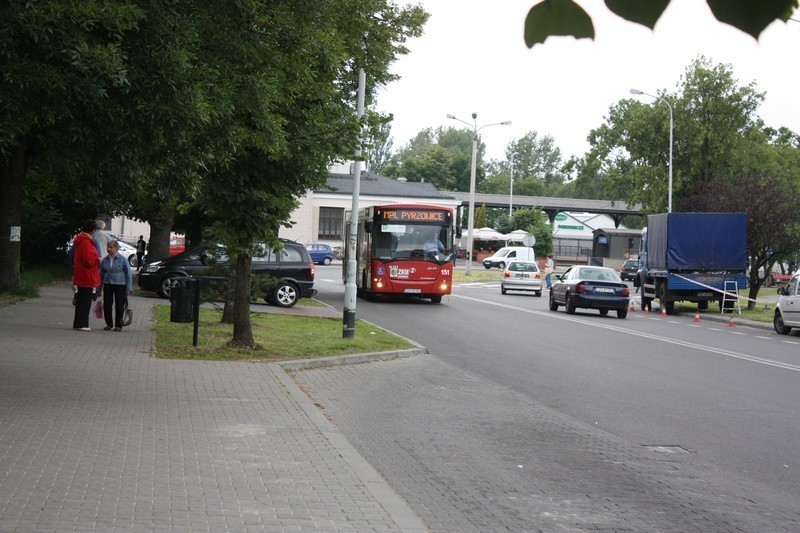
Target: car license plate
(413, 291)
(523, 275)
(604, 290)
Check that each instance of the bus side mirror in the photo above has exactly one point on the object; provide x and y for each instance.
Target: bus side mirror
(458, 232)
(368, 226)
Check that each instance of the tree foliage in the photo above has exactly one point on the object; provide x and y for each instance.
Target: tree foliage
(565, 17)
(442, 157)
(536, 164)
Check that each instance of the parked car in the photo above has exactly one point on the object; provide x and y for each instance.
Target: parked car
(321, 254)
(177, 245)
(288, 272)
(787, 307)
(590, 287)
(521, 276)
(505, 255)
(629, 269)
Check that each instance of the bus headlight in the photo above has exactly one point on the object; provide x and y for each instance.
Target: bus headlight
(378, 282)
(443, 286)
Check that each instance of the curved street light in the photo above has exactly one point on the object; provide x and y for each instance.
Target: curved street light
(471, 214)
(669, 199)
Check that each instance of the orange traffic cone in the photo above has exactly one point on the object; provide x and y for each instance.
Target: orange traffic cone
(730, 323)
(663, 312)
(696, 316)
(632, 307)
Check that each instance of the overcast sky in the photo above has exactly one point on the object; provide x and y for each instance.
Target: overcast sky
(472, 58)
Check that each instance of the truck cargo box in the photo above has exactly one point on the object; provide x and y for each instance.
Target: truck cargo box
(697, 241)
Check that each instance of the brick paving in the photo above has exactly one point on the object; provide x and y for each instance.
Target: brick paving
(97, 434)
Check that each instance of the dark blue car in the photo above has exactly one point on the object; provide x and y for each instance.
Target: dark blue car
(590, 287)
(322, 254)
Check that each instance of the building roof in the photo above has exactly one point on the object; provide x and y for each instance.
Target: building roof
(377, 185)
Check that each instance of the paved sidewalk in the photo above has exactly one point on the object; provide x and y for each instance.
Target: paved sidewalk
(97, 434)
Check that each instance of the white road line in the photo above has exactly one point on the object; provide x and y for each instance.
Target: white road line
(618, 329)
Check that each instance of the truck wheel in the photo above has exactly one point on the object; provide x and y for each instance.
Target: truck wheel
(669, 307)
(702, 305)
(780, 327)
(501, 266)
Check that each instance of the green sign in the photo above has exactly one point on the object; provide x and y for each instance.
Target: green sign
(561, 216)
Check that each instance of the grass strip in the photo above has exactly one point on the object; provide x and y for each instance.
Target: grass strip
(279, 338)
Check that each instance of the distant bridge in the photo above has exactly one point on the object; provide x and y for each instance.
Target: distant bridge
(616, 209)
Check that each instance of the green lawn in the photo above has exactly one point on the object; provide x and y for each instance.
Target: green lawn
(279, 338)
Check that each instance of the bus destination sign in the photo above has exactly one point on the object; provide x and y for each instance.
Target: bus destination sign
(413, 215)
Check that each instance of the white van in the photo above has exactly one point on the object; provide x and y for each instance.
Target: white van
(504, 256)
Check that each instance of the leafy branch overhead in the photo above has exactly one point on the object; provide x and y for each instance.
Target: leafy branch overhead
(565, 17)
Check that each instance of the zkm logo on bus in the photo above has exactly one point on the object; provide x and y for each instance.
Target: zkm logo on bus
(397, 272)
(402, 215)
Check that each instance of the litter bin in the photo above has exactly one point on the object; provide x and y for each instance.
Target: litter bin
(181, 299)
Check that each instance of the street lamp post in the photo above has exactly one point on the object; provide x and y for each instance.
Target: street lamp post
(637, 91)
(511, 191)
(471, 213)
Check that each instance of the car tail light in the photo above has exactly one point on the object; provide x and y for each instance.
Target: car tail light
(580, 287)
(626, 291)
(506, 274)
(538, 275)
(311, 265)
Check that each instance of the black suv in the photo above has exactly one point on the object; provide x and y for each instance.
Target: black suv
(288, 273)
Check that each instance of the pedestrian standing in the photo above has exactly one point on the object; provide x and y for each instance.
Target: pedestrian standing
(548, 271)
(141, 246)
(101, 237)
(86, 275)
(115, 273)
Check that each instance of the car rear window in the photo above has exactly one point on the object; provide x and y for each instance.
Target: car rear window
(523, 267)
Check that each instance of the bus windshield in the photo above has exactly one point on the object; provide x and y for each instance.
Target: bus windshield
(413, 241)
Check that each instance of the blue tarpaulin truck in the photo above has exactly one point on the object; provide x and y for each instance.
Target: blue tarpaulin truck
(692, 257)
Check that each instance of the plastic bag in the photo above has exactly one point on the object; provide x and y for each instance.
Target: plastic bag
(127, 315)
(98, 308)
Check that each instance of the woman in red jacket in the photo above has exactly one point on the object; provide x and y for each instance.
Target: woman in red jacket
(86, 275)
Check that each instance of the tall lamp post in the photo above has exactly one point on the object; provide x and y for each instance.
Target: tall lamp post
(637, 91)
(511, 191)
(471, 215)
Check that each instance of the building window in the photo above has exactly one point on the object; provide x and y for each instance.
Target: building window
(331, 222)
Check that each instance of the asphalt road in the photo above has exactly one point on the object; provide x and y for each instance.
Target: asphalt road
(722, 400)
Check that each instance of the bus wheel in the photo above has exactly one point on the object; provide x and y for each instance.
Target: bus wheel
(436, 298)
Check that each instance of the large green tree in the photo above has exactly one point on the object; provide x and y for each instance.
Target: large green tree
(536, 164)
(442, 156)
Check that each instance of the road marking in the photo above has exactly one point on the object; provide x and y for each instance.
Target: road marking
(762, 337)
(667, 340)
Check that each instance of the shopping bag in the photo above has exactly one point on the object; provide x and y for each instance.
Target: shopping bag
(98, 308)
(127, 315)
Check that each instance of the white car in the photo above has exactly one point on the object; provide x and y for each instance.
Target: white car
(522, 276)
(787, 308)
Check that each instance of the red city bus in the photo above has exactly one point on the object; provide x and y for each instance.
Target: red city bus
(405, 250)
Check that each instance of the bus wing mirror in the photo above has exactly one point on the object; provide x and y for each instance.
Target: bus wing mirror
(458, 232)
(368, 226)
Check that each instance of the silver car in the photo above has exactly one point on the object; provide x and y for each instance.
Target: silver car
(522, 276)
(787, 308)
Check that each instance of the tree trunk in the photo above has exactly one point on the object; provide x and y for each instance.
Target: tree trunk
(160, 229)
(227, 310)
(12, 179)
(242, 329)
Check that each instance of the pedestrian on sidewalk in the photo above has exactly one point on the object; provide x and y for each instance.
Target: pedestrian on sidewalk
(86, 275)
(115, 273)
(141, 246)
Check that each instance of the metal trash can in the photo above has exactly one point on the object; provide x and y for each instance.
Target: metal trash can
(181, 300)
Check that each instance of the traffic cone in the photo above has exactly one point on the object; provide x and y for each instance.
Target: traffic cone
(696, 316)
(730, 323)
(663, 312)
(632, 307)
